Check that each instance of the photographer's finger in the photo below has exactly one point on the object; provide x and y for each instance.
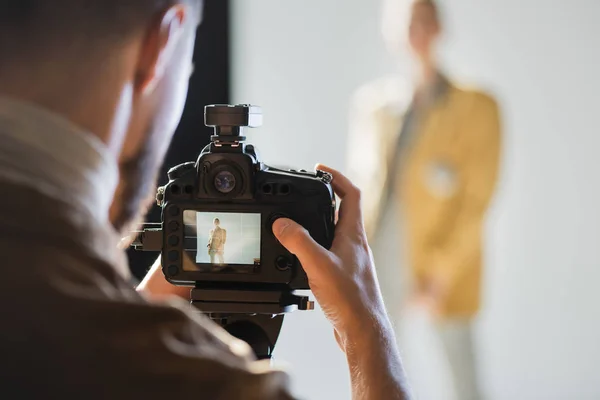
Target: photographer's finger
(342, 186)
(350, 216)
(299, 242)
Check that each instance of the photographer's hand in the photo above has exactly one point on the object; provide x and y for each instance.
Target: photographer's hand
(156, 287)
(344, 283)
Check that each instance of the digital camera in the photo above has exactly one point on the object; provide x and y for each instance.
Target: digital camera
(216, 231)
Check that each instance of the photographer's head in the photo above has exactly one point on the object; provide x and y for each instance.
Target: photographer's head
(216, 222)
(116, 68)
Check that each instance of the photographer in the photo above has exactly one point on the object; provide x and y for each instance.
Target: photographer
(90, 94)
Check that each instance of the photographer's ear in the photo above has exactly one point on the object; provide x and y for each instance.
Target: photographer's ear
(158, 47)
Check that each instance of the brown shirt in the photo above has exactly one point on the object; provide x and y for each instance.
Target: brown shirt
(71, 325)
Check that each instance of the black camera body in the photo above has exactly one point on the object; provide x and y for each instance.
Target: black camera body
(228, 178)
(217, 229)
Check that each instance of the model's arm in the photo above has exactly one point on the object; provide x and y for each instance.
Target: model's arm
(210, 237)
(365, 162)
(344, 282)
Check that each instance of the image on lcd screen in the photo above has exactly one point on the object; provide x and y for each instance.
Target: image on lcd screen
(218, 241)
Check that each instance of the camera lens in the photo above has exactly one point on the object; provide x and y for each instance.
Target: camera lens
(225, 182)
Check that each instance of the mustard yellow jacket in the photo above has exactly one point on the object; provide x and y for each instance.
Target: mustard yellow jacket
(461, 133)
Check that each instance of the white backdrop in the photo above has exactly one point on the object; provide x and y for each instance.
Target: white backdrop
(540, 326)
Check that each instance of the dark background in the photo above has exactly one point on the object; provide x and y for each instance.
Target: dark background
(209, 85)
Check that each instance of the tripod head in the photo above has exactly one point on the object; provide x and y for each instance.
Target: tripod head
(251, 315)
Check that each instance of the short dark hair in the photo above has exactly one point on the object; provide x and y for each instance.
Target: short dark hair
(39, 24)
(216, 221)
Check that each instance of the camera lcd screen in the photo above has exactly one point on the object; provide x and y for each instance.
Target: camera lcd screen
(222, 241)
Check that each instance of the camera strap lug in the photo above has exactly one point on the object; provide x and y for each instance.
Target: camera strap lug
(326, 177)
(160, 196)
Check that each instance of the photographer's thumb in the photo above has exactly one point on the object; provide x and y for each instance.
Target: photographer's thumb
(299, 242)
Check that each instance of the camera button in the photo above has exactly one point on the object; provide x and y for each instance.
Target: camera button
(174, 226)
(283, 263)
(173, 256)
(173, 240)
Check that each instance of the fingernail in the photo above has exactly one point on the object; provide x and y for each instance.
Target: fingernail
(322, 167)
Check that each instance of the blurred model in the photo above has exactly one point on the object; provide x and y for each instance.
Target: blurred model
(426, 156)
(216, 243)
